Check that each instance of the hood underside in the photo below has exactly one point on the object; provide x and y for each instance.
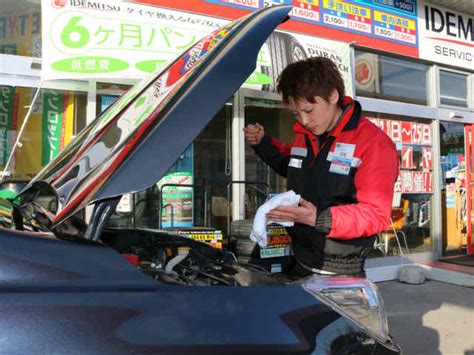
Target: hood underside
(136, 140)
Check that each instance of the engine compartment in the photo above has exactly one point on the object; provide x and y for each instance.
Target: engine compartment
(173, 259)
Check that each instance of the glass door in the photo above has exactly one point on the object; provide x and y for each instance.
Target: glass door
(454, 170)
(260, 180)
(469, 131)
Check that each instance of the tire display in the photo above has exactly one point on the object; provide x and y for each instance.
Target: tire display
(284, 49)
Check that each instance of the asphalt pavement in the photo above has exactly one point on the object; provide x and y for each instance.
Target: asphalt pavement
(432, 318)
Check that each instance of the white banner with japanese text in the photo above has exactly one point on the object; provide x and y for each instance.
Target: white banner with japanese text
(414, 143)
(101, 39)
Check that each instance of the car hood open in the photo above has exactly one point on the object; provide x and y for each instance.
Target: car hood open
(136, 140)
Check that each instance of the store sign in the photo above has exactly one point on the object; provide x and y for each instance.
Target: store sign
(446, 36)
(366, 72)
(96, 40)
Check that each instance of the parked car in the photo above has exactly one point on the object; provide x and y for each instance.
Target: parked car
(70, 286)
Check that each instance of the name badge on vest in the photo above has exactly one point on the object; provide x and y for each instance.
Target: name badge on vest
(340, 165)
(342, 159)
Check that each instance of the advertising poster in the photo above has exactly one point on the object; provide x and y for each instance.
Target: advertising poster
(427, 156)
(279, 243)
(407, 157)
(177, 201)
(20, 32)
(28, 156)
(393, 21)
(283, 48)
(446, 36)
(8, 108)
(57, 123)
(395, 28)
(96, 40)
(411, 137)
(212, 237)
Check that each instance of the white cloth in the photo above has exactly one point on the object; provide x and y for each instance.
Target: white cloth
(259, 229)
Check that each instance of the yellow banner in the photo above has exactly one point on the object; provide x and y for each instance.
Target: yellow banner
(28, 157)
(347, 8)
(394, 20)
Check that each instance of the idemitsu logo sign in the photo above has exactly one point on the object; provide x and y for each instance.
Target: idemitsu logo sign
(446, 36)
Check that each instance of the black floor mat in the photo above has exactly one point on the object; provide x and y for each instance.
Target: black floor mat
(466, 260)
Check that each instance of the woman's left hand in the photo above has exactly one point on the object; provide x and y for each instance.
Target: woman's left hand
(305, 213)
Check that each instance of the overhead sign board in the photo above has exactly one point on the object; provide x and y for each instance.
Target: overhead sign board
(392, 23)
(83, 39)
(446, 36)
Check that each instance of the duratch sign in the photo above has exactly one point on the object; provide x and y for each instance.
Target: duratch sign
(446, 36)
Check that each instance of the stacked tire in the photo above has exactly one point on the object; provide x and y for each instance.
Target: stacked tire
(245, 248)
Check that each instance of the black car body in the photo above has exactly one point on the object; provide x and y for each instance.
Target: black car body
(66, 287)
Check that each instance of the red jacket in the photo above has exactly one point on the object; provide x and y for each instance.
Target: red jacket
(358, 201)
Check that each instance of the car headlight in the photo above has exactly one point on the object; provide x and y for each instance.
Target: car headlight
(357, 299)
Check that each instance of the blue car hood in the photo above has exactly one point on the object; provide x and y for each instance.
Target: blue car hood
(134, 142)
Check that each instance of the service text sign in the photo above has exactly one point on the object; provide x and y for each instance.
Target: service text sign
(446, 36)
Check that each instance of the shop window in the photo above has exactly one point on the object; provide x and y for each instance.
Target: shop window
(410, 228)
(389, 78)
(51, 125)
(453, 88)
(20, 27)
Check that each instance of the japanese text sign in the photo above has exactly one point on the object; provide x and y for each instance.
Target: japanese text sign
(411, 137)
(119, 38)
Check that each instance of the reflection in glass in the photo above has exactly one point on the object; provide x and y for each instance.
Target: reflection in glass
(391, 78)
(20, 27)
(453, 88)
(402, 79)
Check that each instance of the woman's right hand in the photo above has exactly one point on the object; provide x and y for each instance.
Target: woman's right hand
(254, 133)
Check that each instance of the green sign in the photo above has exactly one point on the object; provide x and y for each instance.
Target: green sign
(52, 125)
(7, 94)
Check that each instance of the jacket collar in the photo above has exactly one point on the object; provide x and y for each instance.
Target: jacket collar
(351, 112)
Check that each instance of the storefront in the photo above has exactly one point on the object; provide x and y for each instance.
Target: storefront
(409, 63)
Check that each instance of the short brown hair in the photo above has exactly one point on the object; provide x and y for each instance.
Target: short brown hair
(316, 76)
